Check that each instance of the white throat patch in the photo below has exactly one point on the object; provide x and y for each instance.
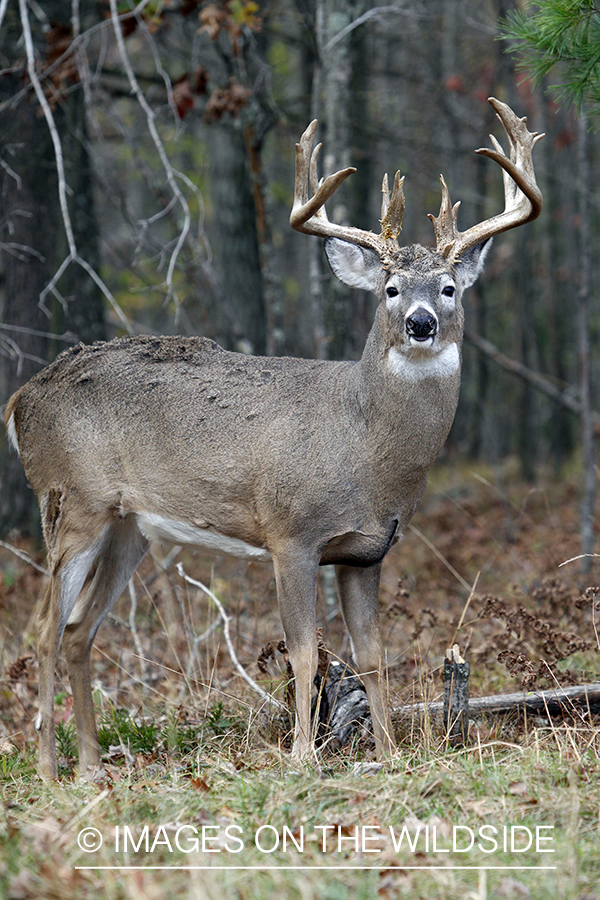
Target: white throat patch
(443, 364)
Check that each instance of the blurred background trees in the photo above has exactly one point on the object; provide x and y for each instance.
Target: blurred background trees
(168, 130)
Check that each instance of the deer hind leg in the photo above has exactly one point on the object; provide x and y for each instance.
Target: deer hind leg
(359, 595)
(296, 577)
(69, 571)
(48, 642)
(123, 550)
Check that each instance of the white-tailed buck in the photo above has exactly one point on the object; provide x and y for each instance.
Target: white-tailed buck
(299, 461)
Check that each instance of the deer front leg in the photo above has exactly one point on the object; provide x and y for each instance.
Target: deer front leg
(359, 595)
(296, 577)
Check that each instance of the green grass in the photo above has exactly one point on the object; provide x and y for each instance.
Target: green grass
(245, 805)
(186, 750)
(119, 727)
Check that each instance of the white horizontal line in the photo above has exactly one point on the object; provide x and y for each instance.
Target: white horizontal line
(333, 868)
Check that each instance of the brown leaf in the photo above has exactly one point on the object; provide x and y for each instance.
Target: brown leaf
(18, 668)
(182, 98)
(200, 784)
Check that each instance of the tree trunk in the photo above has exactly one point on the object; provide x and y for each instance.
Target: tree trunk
(524, 291)
(34, 246)
(85, 312)
(339, 303)
(587, 434)
(234, 241)
(551, 229)
(315, 257)
(31, 221)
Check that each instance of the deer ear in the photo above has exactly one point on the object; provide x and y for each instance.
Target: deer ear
(354, 265)
(469, 265)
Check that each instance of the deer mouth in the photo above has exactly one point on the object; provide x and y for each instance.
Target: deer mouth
(422, 343)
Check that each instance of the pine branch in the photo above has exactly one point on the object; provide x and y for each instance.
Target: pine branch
(561, 39)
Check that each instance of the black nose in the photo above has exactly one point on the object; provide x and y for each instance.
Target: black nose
(421, 324)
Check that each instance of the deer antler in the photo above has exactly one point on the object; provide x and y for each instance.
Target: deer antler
(309, 216)
(522, 197)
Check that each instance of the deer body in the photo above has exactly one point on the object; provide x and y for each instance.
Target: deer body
(304, 462)
(319, 460)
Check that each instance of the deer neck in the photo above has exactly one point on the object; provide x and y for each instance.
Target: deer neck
(408, 403)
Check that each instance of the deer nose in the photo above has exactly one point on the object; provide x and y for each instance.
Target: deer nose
(421, 324)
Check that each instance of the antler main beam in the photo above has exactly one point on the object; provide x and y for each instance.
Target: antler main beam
(308, 213)
(522, 197)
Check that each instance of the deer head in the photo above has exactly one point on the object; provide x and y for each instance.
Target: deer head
(419, 289)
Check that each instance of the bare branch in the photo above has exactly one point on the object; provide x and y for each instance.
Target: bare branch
(21, 251)
(25, 557)
(372, 13)
(73, 255)
(11, 350)
(67, 336)
(10, 171)
(442, 558)
(564, 398)
(3, 5)
(168, 168)
(31, 70)
(226, 620)
(134, 632)
(75, 19)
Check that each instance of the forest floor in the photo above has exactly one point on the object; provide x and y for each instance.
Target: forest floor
(198, 795)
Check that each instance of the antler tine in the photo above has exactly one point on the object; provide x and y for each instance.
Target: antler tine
(518, 170)
(308, 214)
(305, 211)
(303, 164)
(391, 217)
(444, 224)
(313, 176)
(522, 197)
(509, 185)
(385, 197)
(316, 182)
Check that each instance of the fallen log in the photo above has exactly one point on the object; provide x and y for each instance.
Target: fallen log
(344, 709)
(552, 702)
(341, 709)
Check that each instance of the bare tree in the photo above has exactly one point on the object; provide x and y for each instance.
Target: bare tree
(33, 239)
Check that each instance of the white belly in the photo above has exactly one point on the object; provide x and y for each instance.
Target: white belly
(156, 527)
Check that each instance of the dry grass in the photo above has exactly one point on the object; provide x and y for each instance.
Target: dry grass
(188, 743)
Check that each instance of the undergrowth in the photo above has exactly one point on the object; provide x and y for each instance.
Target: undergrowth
(189, 750)
(475, 822)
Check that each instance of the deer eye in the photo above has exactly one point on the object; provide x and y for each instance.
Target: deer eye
(391, 291)
(449, 290)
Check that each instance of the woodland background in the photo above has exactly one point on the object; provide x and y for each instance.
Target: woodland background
(176, 123)
(146, 180)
